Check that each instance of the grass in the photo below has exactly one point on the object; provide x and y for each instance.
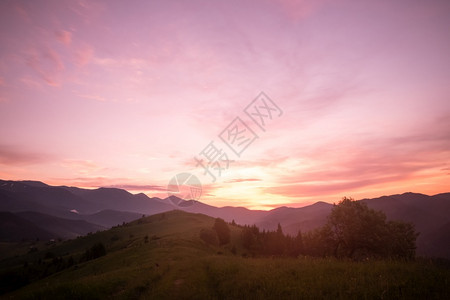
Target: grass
(173, 263)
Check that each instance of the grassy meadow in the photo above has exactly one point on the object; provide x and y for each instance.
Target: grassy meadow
(162, 257)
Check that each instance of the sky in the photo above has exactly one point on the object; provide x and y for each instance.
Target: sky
(354, 96)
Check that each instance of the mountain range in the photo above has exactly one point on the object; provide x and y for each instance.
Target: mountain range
(33, 209)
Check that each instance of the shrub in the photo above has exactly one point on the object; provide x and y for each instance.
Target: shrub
(209, 236)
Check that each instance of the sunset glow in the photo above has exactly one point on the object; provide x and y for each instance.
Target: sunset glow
(127, 94)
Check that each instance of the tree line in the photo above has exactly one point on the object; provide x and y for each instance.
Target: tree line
(352, 231)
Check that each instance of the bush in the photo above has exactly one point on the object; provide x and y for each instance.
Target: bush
(96, 251)
(209, 236)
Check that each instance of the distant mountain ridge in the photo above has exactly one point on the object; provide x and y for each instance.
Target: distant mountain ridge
(15, 228)
(105, 207)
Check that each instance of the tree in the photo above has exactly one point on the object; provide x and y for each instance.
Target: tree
(297, 245)
(94, 252)
(279, 241)
(252, 238)
(209, 236)
(279, 230)
(401, 240)
(319, 242)
(222, 230)
(354, 230)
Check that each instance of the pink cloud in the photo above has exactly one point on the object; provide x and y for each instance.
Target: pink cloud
(299, 9)
(88, 181)
(287, 204)
(308, 190)
(64, 37)
(31, 83)
(15, 155)
(139, 187)
(47, 64)
(87, 11)
(22, 11)
(84, 55)
(274, 161)
(81, 165)
(92, 97)
(341, 168)
(242, 180)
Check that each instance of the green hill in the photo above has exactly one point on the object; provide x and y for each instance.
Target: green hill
(163, 257)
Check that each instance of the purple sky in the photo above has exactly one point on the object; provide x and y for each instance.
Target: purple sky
(127, 93)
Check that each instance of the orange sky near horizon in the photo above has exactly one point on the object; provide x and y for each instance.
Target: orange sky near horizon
(128, 94)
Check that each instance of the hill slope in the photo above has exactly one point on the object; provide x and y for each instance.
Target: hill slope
(59, 227)
(15, 228)
(162, 257)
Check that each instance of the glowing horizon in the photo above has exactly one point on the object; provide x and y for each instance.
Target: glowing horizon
(109, 94)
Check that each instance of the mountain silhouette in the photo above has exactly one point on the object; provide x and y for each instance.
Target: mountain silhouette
(43, 207)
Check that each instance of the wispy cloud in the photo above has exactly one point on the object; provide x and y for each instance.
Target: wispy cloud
(92, 97)
(22, 11)
(299, 9)
(242, 180)
(31, 83)
(87, 11)
(16, 155)
(328, 187)
(121, 63)
(81, 166)
(83, 55)
(137, 187)
(46, 63)
(347, 168)
(64, 37)
(88, 181)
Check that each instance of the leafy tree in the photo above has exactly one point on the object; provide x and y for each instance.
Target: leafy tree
(222, 230)
(354, 230)
(94, 252)
(98, 250)
(297, 245)
(401, 240)
(251, 238)
(318, 242)
(209, 236)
